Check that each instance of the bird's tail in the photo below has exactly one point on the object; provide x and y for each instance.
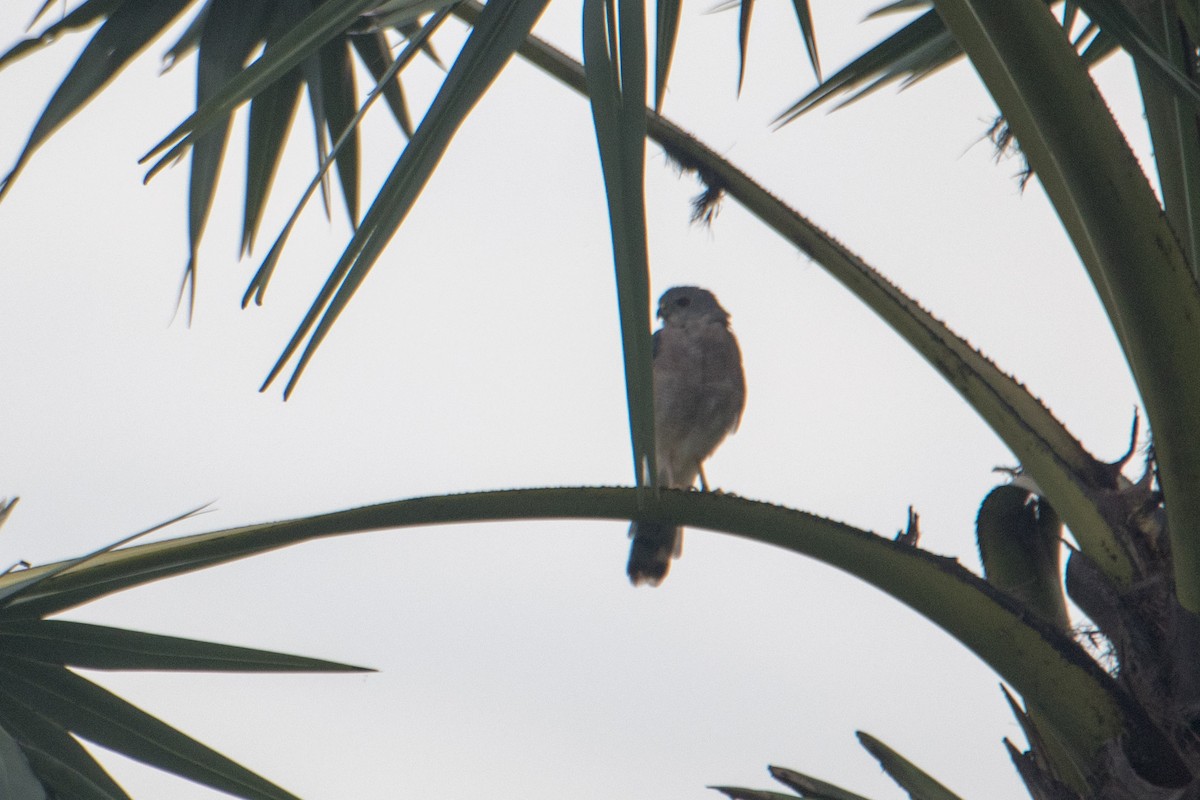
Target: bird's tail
(654, 545)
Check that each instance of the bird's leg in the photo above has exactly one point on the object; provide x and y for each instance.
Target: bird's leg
(703, 481)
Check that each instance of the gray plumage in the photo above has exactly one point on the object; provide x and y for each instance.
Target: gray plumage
(699, 394)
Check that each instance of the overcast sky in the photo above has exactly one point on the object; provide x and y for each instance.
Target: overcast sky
(483, 352)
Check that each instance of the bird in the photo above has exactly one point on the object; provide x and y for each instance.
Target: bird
(699, 396)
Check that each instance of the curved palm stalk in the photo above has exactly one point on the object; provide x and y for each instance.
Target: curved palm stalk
(1111, 214)
(1065, 471)
(1080, 700)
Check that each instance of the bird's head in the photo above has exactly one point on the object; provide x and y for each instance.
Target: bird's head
(681, 303)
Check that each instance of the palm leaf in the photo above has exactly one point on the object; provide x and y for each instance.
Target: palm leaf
(271, 113)
(614, 50)
(78, 18)
(15, 586)
(373, 51)
(667, 31)
(387, 84)
(809, 32)
(232, 29)
(742, 793)
(61, 764)
(912, 779)
(17, 779)
(501, 27)
(93, 713)
(129, 28)
(324, 23)
(810, 787)
(336, 91)
(77, 644)
(745, 10)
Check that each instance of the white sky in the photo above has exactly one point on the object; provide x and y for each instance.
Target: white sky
(515, 660)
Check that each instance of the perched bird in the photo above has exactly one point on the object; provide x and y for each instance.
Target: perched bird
(699, 394)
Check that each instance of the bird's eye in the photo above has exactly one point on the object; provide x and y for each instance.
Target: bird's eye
(683, 302)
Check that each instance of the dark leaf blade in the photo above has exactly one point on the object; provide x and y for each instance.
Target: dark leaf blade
(311, 69)
(129, 29)
(809, 787)
(809, 32)
(1117, 21)
(667, 31)
(1173, 132)
(271, 113)
(386, 81)
(77, 644)
(376, 56)
(232, 29)
(24, 584)
(95, 714)
(61, 763)
(911, 778)
(325, 22)
(410, 29)
(80, 17)
(338, 92)
(18, 780)
(741, 793)
(617, 95)
(870, 65)
(189, 40)
(745, 9)
(488, 48)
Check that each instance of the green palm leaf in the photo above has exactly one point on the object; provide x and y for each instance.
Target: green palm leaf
(919, 784)
(387, 85)
(17, 779)
(42, 703)
(129, 28)
(502, 26)
(61, 764)
(614, 52)
(334, 94)
(77, 644)
(1074, 694)
(271, 113)
(93, 713)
